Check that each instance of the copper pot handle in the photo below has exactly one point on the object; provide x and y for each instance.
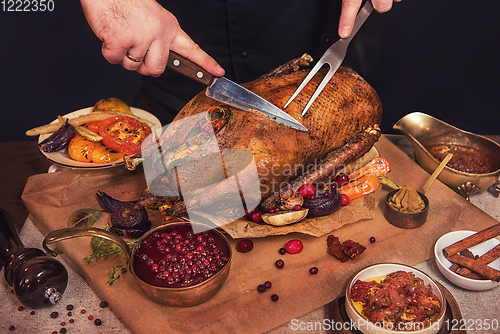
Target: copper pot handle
(69, 233)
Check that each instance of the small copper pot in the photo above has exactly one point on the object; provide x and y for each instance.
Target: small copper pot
(403, 219)
(180, 297)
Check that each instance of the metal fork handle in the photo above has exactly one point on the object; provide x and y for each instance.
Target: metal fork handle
(337, 48)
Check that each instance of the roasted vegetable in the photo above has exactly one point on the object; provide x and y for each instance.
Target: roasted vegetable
(59, 139)
(324, 203)
(360, 187)
(282, 218)
(378, 166)
(125, 218)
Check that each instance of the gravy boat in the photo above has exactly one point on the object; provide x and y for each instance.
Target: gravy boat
(424, 131)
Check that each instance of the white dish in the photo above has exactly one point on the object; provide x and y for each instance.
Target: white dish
(383, 269)
(62, 157)
(443, 264)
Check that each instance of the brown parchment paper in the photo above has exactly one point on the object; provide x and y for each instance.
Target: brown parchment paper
(51, 198)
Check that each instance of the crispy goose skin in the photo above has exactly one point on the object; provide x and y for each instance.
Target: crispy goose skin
(342, 123)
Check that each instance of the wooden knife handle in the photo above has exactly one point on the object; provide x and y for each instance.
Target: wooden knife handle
(189, 69)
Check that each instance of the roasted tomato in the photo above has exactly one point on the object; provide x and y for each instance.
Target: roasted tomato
(84, 150)
(80, 149)
(124, 134)
(94, 126)
(104, 155)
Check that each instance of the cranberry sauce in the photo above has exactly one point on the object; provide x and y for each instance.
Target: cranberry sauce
(465, 159)
(175, 257)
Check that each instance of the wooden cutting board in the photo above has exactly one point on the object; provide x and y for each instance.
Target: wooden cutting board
(51, 198)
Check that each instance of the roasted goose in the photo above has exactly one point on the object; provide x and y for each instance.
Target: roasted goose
(342, 123)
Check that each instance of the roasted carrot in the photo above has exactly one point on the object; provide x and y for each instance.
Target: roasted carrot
(361, 186)
(378, 166)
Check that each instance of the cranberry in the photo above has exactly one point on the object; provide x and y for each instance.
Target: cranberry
(372, 240)
(313, 270)
(274, 298)
(91, 317)
(244, 246)
(342, 179)
(20, 308)
(297, 208)
(311, 197)
(261, 288)
(307, 189)
(257, 215)
(294, 246)
(268, 284)
(71, 321)
(345, 200)
(282, 251)
(279, 264)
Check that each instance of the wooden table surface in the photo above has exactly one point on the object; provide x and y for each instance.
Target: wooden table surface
(20, 160)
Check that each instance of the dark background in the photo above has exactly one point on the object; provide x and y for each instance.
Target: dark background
(437, 57)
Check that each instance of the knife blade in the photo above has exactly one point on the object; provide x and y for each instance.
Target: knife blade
(229, 92)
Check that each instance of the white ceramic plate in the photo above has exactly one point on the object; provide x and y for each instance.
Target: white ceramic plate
(443, 264)
(380, 270)
(62, 157)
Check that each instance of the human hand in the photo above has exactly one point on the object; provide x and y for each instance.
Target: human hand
(138, 34)
(350, 9)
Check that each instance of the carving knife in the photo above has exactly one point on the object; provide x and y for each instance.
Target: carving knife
(229, 92)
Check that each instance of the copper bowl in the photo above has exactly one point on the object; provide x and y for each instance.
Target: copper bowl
(424, 131)
(171, 296)
(403, 219)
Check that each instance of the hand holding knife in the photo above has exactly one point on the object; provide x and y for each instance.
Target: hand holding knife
(228, 92)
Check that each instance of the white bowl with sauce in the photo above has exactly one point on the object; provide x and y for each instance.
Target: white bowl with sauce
(444, 265)
(379, 271)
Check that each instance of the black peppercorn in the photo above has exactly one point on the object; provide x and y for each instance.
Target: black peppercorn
(97, 322)
(54, 315)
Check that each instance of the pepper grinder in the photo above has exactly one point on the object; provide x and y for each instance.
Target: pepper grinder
(38, 280)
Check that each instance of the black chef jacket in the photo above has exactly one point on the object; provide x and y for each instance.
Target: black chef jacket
(249, 38)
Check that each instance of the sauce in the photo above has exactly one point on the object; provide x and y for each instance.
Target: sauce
(465, 159)
(175, 257)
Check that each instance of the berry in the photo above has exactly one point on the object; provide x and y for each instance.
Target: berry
(274, 297)
(372, 240)
(345, 200)
(91, 317)
(342, 179)
(307, 189)
(20, 308)
(282, 251)
(11, 328)
(311, 197)
(256, 216)
(71, 321)
(279, 264)
(313, 270)
(268, 284)
(244, 246)
(294, 246)
(297, 208)
(261, 288)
